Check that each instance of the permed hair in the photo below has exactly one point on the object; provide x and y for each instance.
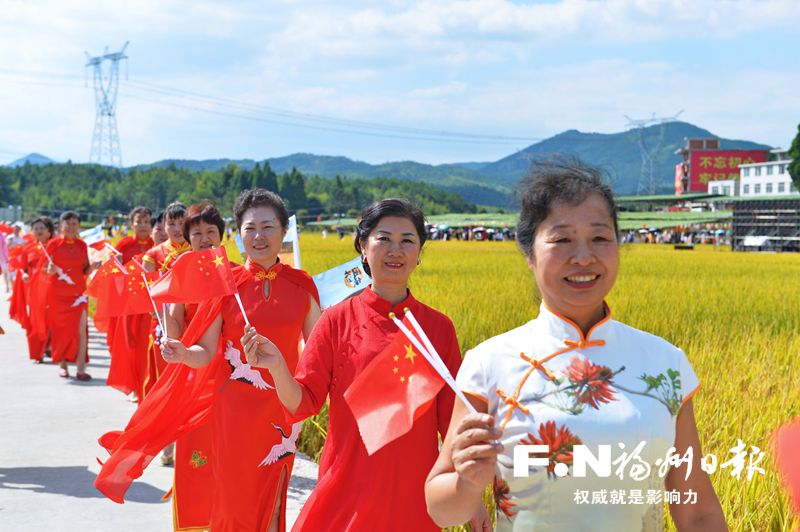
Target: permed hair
(47, 222)
(564, 180)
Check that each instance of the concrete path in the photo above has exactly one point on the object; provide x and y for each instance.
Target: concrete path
(48, 447)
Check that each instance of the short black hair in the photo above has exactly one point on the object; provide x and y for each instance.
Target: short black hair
(47, 222)
(259, 197)
(174, 211)
(69, 215)
(206, 212)
(373, 213)
(139, 210)
(561, 180)
(157, 219)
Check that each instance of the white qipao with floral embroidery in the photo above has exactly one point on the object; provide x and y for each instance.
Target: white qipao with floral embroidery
(546, 383)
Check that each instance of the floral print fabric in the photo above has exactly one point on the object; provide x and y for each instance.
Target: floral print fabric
(546, 383)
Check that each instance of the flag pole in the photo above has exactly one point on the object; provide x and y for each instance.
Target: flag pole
(425, 340)
(155, 309)
(241, 307)
(46, 254)
(443, 372)
(164, 328)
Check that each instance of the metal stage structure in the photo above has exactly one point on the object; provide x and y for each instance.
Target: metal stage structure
(766, 225)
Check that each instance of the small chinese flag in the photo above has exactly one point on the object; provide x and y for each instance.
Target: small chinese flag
(395, 389)
(196, 276)
(120, 291)
(104, 278)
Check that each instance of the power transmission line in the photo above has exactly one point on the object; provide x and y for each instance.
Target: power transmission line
(647, 177)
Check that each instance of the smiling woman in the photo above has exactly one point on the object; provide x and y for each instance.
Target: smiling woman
(570, 377)
(347, 338)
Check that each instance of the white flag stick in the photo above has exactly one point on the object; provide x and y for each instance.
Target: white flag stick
(46, 254)
(164, 328)
(241, 307)
(155, 309)
(444, 374)
(425, 340)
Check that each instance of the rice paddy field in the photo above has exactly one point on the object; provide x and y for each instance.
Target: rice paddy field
(736, 315)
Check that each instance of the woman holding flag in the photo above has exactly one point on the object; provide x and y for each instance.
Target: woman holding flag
(253, 452)
(573, 376)
(160, 258)
(194, 482)
(125, 333)
(68, 265)
(381, 488)
(34, 286)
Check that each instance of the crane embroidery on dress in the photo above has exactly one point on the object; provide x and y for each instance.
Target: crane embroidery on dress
(62, 276)
(287, 446)
(242, 370)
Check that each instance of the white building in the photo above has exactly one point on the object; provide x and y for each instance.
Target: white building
(762, 179)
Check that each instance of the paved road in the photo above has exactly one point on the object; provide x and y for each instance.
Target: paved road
(48, 448)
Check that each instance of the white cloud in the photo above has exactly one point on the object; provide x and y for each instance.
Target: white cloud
(473, 66)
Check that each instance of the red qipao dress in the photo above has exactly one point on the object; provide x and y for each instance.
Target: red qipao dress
(194, 480)
(66, 300)
(253, 444)
(32, 297)
(162, 257)
(128, 336)
(384, 491)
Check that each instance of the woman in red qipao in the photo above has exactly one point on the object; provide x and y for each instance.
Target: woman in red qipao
(253, 450)
(125, 332)
(356, 491)
(193, 486)
(68, 270)
(161, 258)
(32, 285)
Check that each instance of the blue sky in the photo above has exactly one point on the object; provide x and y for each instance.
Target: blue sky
(239, 79)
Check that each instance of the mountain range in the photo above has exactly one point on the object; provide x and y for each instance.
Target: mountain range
(493, 183)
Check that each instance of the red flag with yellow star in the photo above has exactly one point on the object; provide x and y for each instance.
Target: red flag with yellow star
(120, 290)
(196, 276)
(395, 389)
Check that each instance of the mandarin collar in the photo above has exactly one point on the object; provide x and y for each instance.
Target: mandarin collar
(260, 272)
(146, 242)
(384, 307)
(180, 247)
(564, 328)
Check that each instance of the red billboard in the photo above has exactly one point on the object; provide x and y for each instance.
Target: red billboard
(718, 165)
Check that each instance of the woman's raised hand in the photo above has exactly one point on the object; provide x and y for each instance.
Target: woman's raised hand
(475, 449)
(259, 350)
(173, 351)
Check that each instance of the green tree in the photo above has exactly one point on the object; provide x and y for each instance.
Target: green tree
(794, 153)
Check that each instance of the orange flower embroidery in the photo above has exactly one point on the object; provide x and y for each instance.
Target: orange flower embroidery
(560, 442)
(501, 500)
(261, 276)
(271, 276)
(592, 382)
